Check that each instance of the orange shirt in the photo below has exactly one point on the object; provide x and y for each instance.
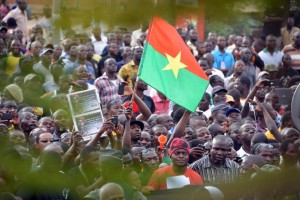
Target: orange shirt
(158, 178)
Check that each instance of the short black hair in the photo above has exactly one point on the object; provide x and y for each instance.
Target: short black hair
(285, 144)
(244, 80)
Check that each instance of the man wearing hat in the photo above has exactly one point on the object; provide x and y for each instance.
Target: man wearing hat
(233, 115)
(219, 95)
(218, 114)
(42, 67)
(179, 152)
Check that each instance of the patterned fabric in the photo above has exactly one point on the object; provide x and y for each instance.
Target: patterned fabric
(210, 174)
(128, 71)
(287, 37)
(295, 55)
(106, 88)
(179, 143)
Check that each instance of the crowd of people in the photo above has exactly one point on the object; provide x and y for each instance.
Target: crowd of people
(240, 143)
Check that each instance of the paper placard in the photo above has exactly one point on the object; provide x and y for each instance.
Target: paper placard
(177, 181)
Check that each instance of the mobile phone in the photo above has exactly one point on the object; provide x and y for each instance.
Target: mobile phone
(6, 116)
(121, 89)
(115, 120)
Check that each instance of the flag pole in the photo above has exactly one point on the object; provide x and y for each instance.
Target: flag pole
(134, 90)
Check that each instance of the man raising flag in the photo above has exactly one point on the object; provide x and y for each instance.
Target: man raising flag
(169, 66)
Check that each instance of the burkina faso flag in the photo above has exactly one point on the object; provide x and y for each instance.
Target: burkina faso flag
(169, 66)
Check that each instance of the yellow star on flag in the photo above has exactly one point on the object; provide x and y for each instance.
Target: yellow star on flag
(174, 64)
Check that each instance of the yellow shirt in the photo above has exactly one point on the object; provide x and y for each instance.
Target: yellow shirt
(11, 64)
(127, 71)
(270, 135)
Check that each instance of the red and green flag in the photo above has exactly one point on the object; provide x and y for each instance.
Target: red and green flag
(169, 66)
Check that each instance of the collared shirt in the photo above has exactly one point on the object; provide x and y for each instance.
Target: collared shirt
(287, 37)
(242, 153)
(210, 174)
(127, 71)
(223, 60)
(99, 45)
(21, 18)
(40, 69)
(271, 59)
(161, 106)
(106, 88)
(295, 55)
(193, 47)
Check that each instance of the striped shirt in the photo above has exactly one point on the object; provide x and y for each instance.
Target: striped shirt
(210, 174)
(295, 55)
(107, 89)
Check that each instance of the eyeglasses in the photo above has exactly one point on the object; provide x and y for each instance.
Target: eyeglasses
(46, 140)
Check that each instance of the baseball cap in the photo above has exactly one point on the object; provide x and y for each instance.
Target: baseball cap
(139, 123)
(263, 73)
(218, 88)
(30, 77)
(46, 50)
(229, 98)
(231, 110)
(219, 107)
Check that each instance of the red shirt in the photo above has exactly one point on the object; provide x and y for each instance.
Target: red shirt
(158, 178)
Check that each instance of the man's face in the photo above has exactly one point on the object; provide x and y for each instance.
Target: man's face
(204, 64)
(208, 46)
(167, 122)
(218, 81)
(276, 156)
(141, 85)
(290, 21)
(82, 74)
(248, 130)
(135, 131)
(246, 55)
(271, 42)
(22, 4)
(111, 66)
(36, 48)
(219, 97)
(204, 104)
(113, 49)
(297, 39)
(287, 60)
(16, 47)
(246, 43)
(203, 134)
(193, 35)
(73, 51)
(239, 67)
(82, 52)
(267, 154)
(127, 38)
(219, 151)
(48, 123)
(201, 48)
(47, 57)
(137, 54)
(57, 51)
(188, 134)
(158, 131)
(150, 160)
(221, 42)
(145, 140)
(180, 158)
(234, 117)
(28, 122)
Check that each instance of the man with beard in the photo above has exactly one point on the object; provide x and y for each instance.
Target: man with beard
(130, 69)
(246, 131)
(179, 153)
(214, 166)
(27, 123)
(150, 162)
(61, 123)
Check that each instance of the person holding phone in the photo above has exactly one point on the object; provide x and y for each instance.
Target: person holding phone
(109, 83)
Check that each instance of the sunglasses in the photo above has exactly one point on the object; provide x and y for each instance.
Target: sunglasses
(45, 140)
